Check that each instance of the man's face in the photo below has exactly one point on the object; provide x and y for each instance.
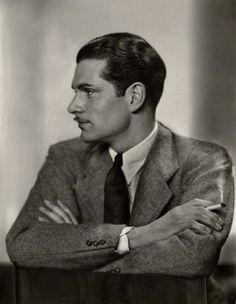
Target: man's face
(101, 115)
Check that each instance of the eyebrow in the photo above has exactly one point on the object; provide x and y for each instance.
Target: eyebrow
(81, 86)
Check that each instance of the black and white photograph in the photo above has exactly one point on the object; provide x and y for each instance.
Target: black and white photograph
(118, 148)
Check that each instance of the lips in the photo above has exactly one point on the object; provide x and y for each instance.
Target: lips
(81, 120)
(82, 123)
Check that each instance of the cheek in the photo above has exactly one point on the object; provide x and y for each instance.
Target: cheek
(110, 113)
(118, 118)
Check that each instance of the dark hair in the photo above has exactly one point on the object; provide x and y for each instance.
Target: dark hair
(129, 58)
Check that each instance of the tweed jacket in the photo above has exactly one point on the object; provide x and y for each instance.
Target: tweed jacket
(177, 170)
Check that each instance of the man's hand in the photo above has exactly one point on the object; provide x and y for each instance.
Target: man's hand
(57, 213)
(191, 215)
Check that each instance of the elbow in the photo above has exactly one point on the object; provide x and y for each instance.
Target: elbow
(15, 249)
(199, 256)
(203, 263)
(11, 248)
(202, 268)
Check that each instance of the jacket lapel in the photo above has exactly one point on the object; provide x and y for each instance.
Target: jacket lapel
(153, 192)
(90, 184)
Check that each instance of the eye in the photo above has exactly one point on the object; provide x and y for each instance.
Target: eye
(90, 92)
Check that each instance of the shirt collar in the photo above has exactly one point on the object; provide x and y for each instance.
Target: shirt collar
(134, 158)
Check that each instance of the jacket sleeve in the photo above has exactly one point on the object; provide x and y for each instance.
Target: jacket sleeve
(31, 243)
(188, 253)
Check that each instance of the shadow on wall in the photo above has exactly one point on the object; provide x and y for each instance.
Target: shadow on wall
(215, 82)
(215, 60)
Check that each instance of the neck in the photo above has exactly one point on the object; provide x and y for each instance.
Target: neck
(139, 129)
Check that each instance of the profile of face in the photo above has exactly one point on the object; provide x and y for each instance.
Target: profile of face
(102, 116)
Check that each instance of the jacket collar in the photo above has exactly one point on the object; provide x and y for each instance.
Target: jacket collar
(153, 191)
(89, 188)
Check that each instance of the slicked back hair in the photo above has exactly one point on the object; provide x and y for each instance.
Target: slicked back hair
(129, 58)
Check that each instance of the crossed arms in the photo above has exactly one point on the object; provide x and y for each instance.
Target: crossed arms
(184, 241)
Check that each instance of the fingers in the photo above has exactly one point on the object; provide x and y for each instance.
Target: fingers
(68, 211)
(196, 216)
(42, 219)
(57, 213)
(208, 218)
(215, 225)
(200, 228)
(197, 211)
(199, 202)
(213, 216)
(55, 218)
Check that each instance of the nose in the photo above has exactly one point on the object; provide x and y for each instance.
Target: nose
(77, 104)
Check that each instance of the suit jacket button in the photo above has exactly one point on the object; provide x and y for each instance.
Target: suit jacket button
(89, 243)
(117, 269)
(102, 242)
(95, 243)
(112, 270)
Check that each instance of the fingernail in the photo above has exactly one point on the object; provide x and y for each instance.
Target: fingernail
(219, 227)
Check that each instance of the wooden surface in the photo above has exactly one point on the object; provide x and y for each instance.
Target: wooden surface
(39, 286)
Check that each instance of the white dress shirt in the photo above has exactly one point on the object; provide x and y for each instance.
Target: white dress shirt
(133, 161)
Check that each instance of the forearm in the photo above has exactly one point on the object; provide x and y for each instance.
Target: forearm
(186, 254)
(144, 235)
(192, 215)
(63, 246)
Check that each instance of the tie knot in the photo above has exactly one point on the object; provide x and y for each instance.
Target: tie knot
(118, 160)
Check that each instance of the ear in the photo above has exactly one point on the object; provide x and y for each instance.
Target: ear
(135, 95)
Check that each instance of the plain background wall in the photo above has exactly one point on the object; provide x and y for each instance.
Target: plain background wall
(39, 42)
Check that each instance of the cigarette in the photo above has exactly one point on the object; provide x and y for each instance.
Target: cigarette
(216, 207)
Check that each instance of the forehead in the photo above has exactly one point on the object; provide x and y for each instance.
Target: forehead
(89, 71)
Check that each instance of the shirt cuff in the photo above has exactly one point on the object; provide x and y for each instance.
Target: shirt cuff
(123, 244)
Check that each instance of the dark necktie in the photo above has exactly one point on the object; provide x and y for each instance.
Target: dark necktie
(116, 195)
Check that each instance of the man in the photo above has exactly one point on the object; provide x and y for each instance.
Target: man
(129, 196)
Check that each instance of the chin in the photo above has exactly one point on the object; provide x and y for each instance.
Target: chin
(91, 138)
(88, 139)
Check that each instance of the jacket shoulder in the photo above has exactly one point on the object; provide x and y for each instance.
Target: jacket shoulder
(196, 150)
(70, 147)
(72, 152)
